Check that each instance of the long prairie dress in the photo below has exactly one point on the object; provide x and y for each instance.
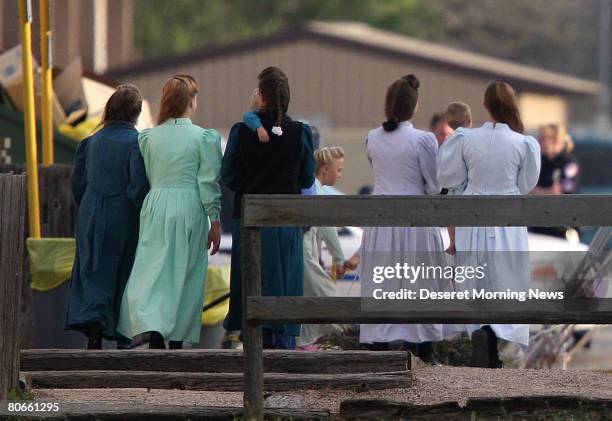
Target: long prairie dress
(165, 292)
(109, 183)
(493, 159)
(283, 166)
(404, 163)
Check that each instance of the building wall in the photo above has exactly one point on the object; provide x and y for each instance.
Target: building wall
(341, 90)
(342, 87)
(73, 31)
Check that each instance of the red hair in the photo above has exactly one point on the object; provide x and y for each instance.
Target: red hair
(177, 93)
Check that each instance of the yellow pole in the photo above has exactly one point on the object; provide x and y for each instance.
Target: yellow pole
(25, 21)
(47, 87)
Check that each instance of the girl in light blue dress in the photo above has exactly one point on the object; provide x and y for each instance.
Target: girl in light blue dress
(179, 221)
(496, 158)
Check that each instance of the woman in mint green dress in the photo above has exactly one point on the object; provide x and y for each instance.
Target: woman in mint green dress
(165, 292)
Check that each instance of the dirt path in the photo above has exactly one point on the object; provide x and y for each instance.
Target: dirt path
(432, 385)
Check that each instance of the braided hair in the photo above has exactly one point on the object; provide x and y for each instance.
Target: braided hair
(274, 87)
(401, 101)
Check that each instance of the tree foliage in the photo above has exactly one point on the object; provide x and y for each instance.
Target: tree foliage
(178, 26)
(559, 35)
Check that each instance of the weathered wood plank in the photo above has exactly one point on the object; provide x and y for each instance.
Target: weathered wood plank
(152, 412)
(12, 221)
(367, 409)
(213, 361)
(58, 210)
(252, 334)
(223, 382)
(394, 211)
(523, 407)
(318, 310)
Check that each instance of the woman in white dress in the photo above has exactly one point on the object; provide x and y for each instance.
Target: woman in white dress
(493, 159)
(403, 160)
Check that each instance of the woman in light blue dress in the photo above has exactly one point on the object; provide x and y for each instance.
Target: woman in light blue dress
(179, 221)
(496, 158)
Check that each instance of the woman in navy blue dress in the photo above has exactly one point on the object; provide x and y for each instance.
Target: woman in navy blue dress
(109, 184)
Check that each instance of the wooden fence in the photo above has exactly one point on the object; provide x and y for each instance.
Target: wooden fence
(12, 220)
(57, 207)
(400, 211)
(58, 215)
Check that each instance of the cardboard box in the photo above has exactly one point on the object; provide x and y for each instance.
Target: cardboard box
(11, 79)
(68, 86)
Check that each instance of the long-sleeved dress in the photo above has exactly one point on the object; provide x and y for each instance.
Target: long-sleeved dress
(283, 166)
(317, 282)
(404, 163)
(165, 292)
(109, 183)
(493, 159)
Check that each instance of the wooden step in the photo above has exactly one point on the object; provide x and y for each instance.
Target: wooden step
(213, 361)
(222, 382)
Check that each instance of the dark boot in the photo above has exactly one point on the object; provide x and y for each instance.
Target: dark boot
(494, 361)
(480, 349)
(484, 349)
(94, 333)
(425, 352)
(175, 345)
(156, 340)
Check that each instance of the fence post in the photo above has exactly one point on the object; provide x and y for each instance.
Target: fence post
(252, 334)
(12, 220)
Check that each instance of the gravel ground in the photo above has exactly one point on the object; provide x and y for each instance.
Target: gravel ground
(432, 385)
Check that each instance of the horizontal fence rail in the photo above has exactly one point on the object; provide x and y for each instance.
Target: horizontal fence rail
(320, 310)
(398, 211)
(427, 211)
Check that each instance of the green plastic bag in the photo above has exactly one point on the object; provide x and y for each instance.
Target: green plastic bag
(51, 261)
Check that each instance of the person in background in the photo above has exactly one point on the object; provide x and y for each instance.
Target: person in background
(179, 222)
(560, 169)
(496, 158)
(439, 127)
(109, 184)
(317, 283)
(284, 165)
(457, 115)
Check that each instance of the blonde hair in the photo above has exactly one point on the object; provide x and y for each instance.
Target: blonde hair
(457, 114)
(327, 155)
(561, 135)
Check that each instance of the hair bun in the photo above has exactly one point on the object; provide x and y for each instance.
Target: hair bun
(412, 81)
(390, 124)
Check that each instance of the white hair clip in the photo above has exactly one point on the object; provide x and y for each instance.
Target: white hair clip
(277, 130)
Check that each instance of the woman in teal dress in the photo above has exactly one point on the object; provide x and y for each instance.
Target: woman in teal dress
(109, 184)
(283, 165)
(165, 292)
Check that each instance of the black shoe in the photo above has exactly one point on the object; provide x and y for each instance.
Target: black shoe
(156, 340)
(175, 345)
(94, 333)
(496, 364)
(425, 352)
(480, 349)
